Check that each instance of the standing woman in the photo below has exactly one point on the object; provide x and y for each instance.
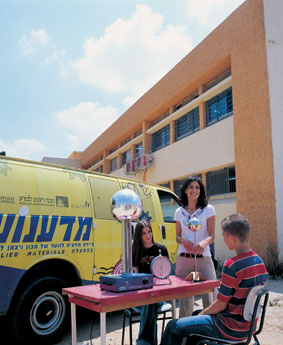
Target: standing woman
(144, 251)
(194, 201)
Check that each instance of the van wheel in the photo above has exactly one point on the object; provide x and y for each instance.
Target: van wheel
(40, 314)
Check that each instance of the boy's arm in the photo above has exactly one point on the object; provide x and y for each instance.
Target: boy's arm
(216, 307)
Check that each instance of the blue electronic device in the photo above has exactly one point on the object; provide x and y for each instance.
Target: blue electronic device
(126, 282)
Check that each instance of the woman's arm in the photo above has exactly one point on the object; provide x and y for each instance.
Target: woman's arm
(181, 240)
(210, 238)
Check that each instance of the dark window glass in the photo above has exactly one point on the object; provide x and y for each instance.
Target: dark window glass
(138, 150)
(221, 181)
(167, 185)
(219, 107)
(126, 157)
(187, 124)
(161, 138)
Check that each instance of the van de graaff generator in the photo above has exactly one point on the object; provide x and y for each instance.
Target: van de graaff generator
(126, 206)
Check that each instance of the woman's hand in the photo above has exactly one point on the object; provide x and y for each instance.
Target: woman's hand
(199, 249)
(189, 246)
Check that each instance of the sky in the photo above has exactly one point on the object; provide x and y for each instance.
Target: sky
(70, 68)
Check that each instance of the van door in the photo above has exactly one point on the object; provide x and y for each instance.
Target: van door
(107, 232)
(167, 203)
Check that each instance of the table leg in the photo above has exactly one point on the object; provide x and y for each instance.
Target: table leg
(103, 328)
(174, 308)
(210, 297)
(74, 324)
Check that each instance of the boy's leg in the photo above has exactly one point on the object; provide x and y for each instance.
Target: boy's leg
(176, 330)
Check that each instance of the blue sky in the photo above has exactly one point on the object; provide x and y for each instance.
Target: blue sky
(70, 68)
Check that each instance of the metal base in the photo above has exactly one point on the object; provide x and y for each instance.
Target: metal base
(195, 276)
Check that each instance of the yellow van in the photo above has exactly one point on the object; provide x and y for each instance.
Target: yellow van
(56, 230)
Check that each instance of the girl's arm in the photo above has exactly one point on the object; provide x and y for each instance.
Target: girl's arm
(187, 244)
(210, 238)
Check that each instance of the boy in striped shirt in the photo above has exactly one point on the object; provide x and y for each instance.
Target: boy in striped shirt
(224, 317)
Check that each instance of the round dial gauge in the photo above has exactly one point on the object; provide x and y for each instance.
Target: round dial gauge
(161, 267)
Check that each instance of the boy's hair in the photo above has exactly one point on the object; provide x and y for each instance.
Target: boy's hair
(237, 225)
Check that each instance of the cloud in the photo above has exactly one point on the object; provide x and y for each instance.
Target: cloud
(36, 39)
(132, 54)
(23, 148)
(38, 43)
(85, 122)
(210, 13)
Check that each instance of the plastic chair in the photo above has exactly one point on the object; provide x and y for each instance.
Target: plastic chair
(253, 309)
(134, 317)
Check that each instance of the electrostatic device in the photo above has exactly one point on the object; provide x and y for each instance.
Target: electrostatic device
(194, 225)
(126, 206)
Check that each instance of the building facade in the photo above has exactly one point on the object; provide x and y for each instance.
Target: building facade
(217, 114)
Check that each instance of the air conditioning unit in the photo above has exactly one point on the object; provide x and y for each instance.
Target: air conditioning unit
(130, 167)
(144, 161)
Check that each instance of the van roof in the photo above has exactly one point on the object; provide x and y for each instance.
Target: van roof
(64, 167)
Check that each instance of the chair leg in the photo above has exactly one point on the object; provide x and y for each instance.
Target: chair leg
(130, 326)
(163, 322)
(256, 339)
(123, 331)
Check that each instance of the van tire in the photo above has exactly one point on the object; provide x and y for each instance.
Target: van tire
(39, 315)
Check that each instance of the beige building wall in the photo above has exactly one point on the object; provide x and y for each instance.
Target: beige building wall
(250, 139)
(204, 150)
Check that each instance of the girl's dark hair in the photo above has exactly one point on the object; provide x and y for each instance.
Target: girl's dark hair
(138, 247)
(202, 199)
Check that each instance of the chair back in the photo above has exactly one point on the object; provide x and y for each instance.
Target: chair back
(250, 303)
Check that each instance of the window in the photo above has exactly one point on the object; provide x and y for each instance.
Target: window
(187, 124)
(221, 181)
(138, 150)
(219, 107)
(167, 185)
(126, 157)
(168, 205)
(161, 138)
(218, 79)
(114, 164)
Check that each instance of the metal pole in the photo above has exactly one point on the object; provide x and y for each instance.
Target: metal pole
(127, 265)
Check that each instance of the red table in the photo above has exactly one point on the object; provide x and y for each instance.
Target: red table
(93, 298)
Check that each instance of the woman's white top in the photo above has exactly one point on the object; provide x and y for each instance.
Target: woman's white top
(203, 214)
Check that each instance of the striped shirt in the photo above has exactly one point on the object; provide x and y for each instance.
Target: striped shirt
(239, 275)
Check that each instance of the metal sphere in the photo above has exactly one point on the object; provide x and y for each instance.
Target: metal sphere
(194, 224)
(126, 204)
